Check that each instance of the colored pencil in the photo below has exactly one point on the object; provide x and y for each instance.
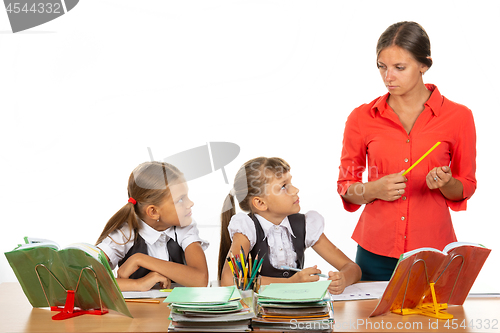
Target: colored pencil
(240, 268)
(298, 270)
(243, 263)
(421, 158)
(249, 264)
(234, 263)
(156, 301)
(259, 266)
(231, 266)
(253, 277)
(256, 261)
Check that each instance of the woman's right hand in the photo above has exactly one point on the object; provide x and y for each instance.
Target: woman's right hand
(390, 187)
(147, 282)
(306, 275)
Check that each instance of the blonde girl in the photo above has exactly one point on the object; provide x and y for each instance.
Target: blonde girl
(153, 238)
(272, 225)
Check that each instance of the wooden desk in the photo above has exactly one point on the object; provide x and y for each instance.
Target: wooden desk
(17, 315)
(352, 316)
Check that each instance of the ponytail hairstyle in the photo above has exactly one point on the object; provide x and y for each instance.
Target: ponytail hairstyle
(148, 185)
(409, 36)
(250, 181)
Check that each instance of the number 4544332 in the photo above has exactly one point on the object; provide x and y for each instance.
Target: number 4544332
(479, 324)
(41, 7)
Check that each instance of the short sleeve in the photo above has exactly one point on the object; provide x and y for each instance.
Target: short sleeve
(315, 225)
(116, 245)
(243, 224)
(190, 234)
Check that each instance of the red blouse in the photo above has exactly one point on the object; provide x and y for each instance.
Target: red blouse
(420, 218)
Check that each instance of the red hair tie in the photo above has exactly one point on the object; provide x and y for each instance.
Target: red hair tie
(132, 201)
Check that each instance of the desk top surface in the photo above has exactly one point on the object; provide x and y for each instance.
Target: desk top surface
(17, 315)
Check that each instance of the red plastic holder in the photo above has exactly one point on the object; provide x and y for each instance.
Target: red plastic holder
(69, 310)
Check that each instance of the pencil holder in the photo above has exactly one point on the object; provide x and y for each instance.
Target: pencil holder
(244, 284)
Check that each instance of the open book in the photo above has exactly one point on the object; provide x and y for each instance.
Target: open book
(453, 272)
(46, 272)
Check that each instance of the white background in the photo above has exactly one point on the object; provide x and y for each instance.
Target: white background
(83, 96)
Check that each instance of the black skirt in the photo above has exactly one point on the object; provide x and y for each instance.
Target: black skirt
(375, 267)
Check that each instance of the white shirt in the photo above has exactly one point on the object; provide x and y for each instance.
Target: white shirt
(116, 248)
(279, 237)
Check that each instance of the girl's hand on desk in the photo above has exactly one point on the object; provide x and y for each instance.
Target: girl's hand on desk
(152, 278)
(129, 266)
(306, 275)
(338, 283)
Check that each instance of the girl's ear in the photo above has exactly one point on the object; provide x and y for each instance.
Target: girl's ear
(152, 212)
(259, 204)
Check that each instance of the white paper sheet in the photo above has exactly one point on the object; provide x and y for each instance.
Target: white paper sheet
(362, 290)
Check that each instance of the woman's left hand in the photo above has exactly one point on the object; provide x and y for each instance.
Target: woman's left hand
(438, 177)
(338, 283)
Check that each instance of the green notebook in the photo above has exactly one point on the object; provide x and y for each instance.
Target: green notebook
(215, 295)
(295, 292)
(63, 267)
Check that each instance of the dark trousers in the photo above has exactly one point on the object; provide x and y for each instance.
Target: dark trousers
(373, 266)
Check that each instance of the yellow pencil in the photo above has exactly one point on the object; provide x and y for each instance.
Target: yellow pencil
(421, 158)
(243, 264)
(156, 301)
(230, 265)
(235, 265)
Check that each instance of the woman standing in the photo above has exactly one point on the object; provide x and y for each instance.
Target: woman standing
(385, 137)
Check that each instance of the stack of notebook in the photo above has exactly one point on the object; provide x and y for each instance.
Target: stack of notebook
(294, 306)
(217, 309)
